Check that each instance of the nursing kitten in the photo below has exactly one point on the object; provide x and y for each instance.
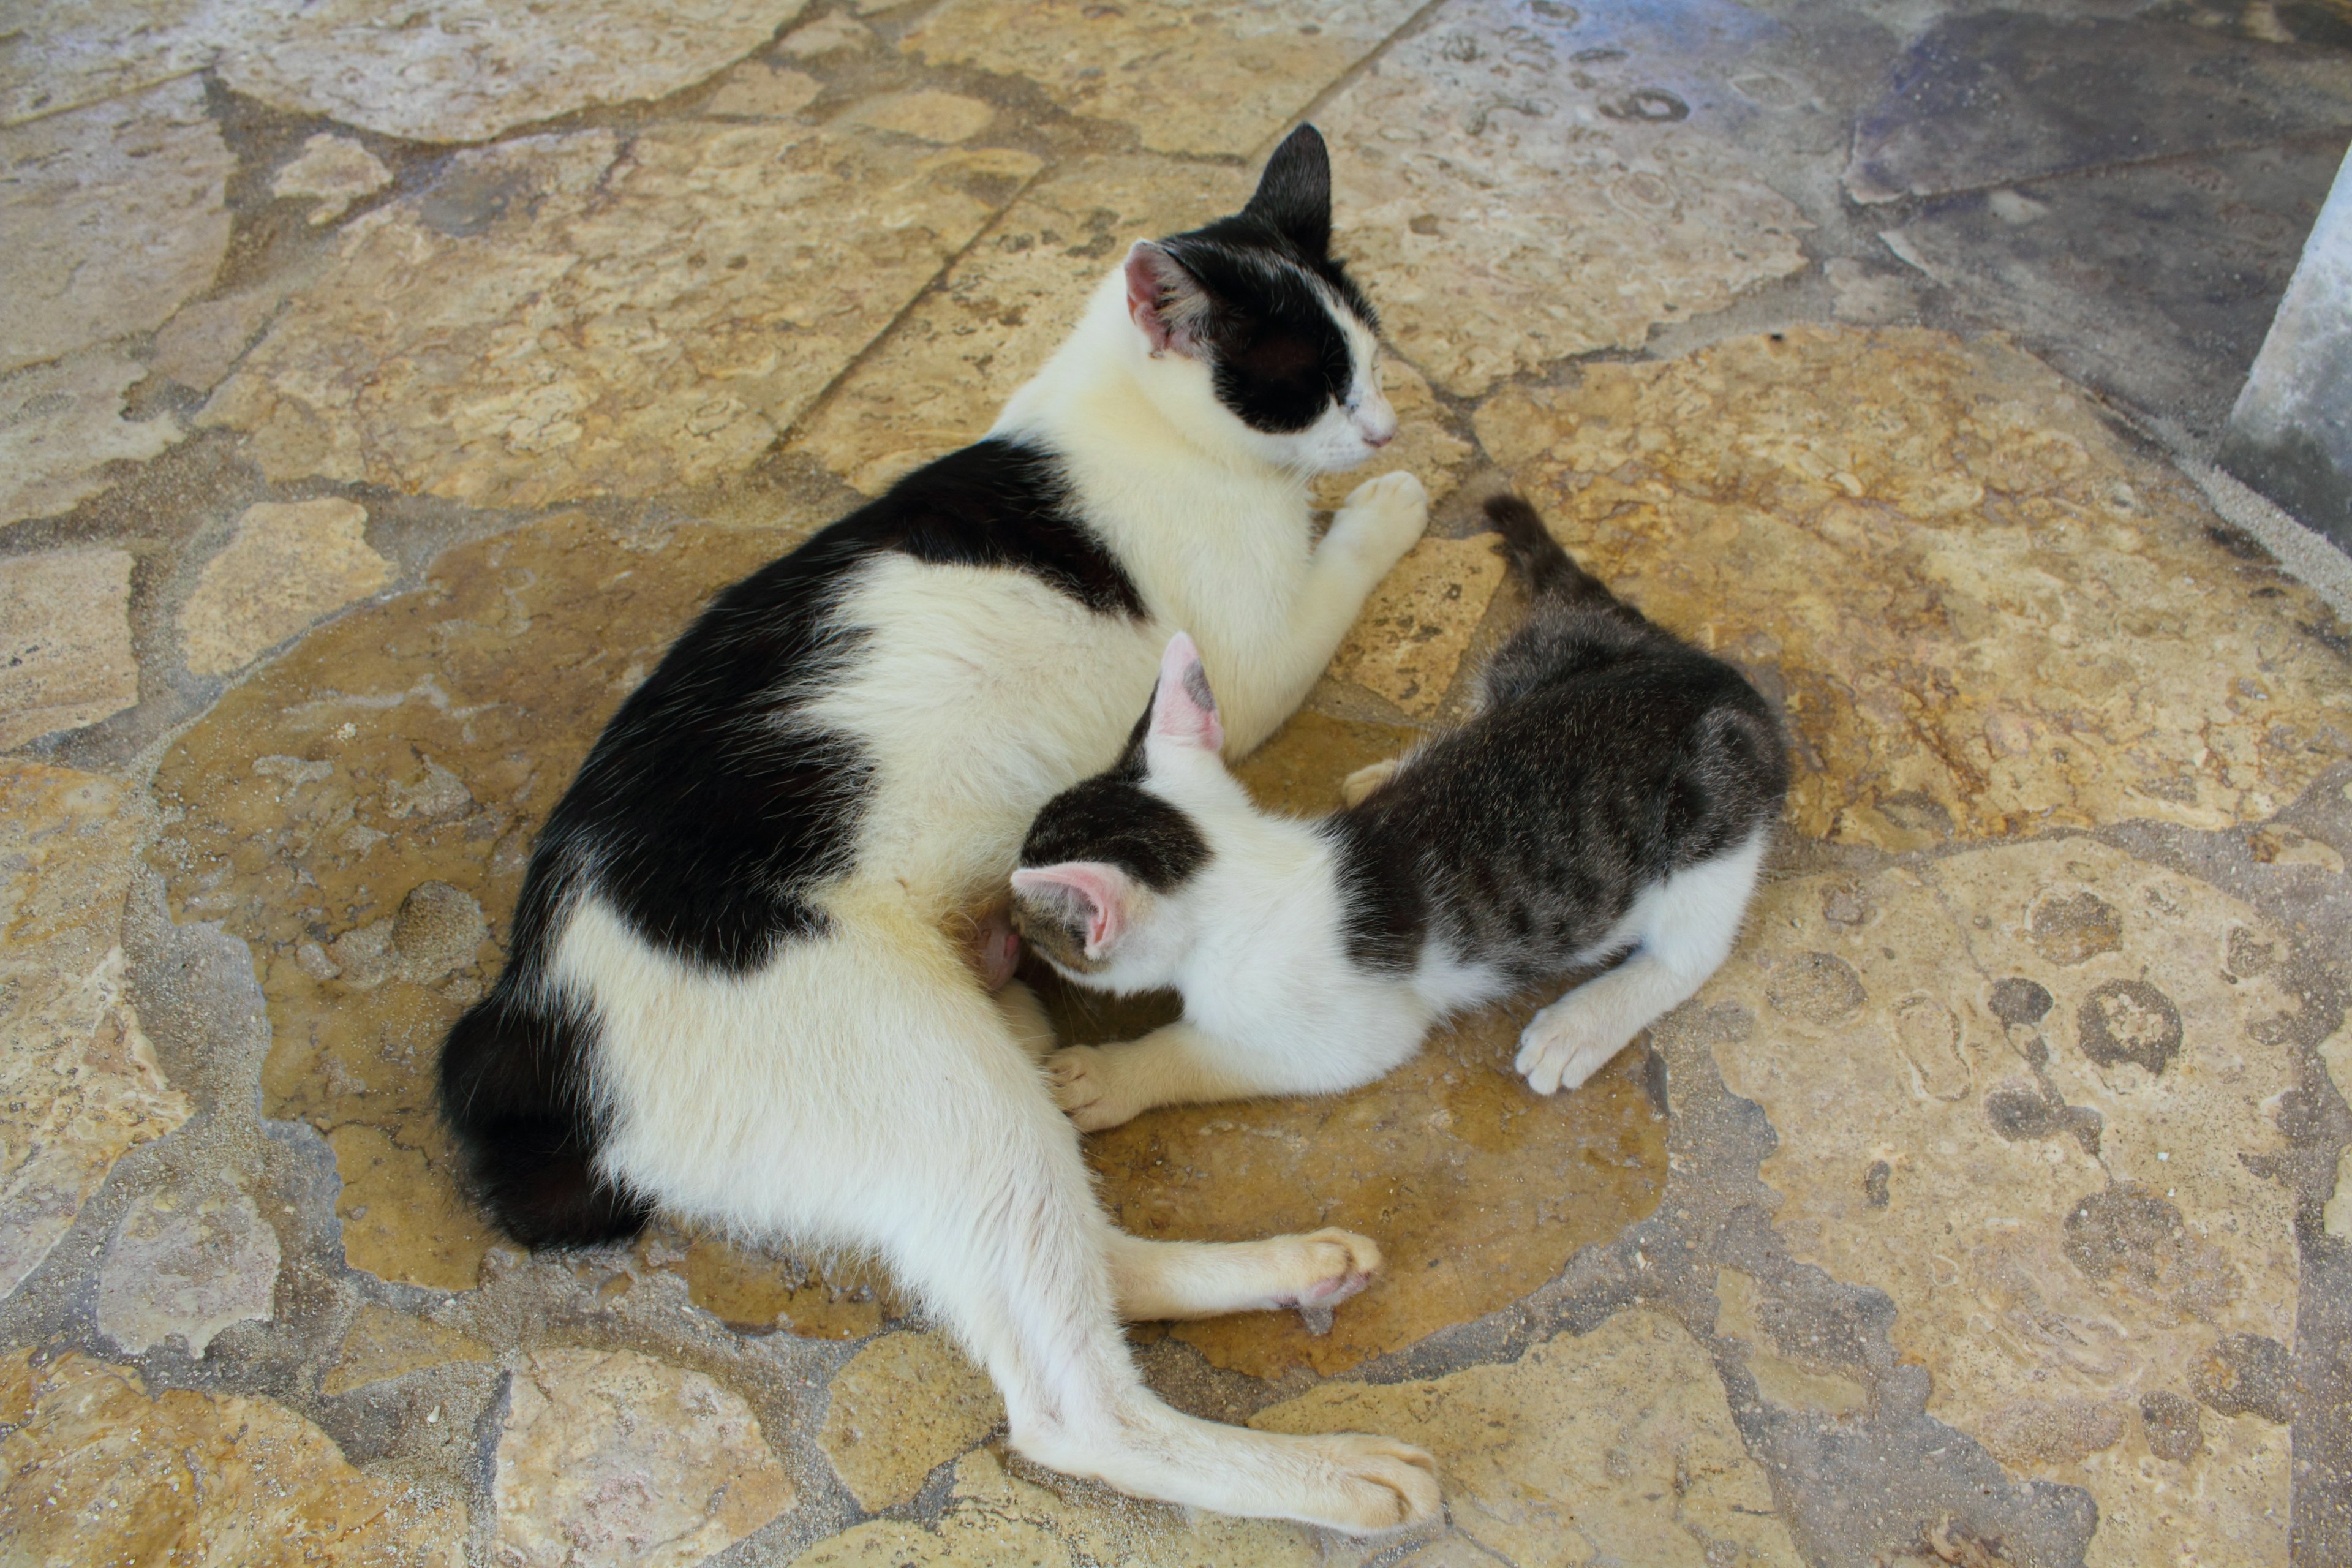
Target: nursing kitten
(1612, 796)
(746, 979)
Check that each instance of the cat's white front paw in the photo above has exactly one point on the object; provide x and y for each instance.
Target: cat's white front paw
(1084, 1081)
(1383, 518)
(1561, 1047)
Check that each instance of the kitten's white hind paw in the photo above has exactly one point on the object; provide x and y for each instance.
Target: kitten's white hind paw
(1366, 779)
(1084, 1081)
(1561, 1047)
(1383, 518)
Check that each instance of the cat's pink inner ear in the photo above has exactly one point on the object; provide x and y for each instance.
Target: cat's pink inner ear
(1184, 708)
(1163, 299)
(1092, 892)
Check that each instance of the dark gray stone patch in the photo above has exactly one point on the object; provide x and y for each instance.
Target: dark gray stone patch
(2001, 96)
(2248, 1374)
(2075, 928)
(1817, 987)
(2174, 1430)
(2128, 1021)
(2019, 1001)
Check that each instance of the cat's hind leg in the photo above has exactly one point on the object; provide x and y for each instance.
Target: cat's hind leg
(1686, 927)
(1208, 1279)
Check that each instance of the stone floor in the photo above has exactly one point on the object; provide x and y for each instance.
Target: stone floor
(377, 399)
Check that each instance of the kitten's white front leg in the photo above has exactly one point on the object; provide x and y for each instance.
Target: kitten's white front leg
(1368, 535)
(1106, 1086)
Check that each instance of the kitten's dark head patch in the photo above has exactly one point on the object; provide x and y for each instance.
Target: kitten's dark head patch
(1117, 821)
(1268, 285)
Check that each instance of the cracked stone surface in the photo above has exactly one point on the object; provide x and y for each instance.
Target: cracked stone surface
(386, 397)
(611, 1457)
(288, 565)
(100, 1468)
(570, 315)
(61, 424)
(1631, 1417)
(1215, 78)
(464, 74)
(116, 213)
(65, 627)
(1517, 187)
(82, 1082)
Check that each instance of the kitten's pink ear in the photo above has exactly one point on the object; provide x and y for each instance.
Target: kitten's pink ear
(1166, 301)
(1089, 892)
(1184, 709)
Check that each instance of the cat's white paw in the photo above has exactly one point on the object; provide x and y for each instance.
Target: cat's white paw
(1366, 779)
(1383, 518)
(1324, 1268)
(1367, 1484)
(1084, 1086)
(1563, 1046)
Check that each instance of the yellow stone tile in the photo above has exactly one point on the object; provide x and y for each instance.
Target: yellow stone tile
(105, 1471)
(573, 314)
(382, 1343)
(1988, 616)
(1616, 1446)
(905, 1405)
(1407, 644)
(288, 565)
(79, 1082)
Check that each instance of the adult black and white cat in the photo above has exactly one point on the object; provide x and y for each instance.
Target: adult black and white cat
(736, 990)
(1613, 794)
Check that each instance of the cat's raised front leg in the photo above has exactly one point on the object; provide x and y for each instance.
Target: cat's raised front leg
(1103, 1086)
(1368, 535)
(1208, 1279)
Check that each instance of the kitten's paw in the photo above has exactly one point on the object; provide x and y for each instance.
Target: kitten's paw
(1083, 1085)
(1383, 518)
(1558, 1049)
(1324, 1268)
(1366, 779)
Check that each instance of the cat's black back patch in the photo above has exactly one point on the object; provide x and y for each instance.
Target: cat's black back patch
(1384, 916)
(710, 812)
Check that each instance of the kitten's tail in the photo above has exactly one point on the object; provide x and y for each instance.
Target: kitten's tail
(1550, 571)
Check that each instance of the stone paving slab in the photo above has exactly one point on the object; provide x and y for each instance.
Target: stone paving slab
(386, 397)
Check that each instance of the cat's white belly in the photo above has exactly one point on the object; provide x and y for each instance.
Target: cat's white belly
(978, 695)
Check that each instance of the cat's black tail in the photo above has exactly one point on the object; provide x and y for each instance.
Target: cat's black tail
(514, 1098)
(1550, 571)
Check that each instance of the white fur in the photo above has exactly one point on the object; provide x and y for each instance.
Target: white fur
(860, 1090)
(1273, 1005)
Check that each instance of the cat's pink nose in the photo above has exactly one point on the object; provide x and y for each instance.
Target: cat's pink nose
(1377, 439)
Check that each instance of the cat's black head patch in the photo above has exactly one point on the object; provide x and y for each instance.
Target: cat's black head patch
(1279, 357)
(1111, 817)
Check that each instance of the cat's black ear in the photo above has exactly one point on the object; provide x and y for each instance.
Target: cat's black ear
(1294, 195)
(1166, 301)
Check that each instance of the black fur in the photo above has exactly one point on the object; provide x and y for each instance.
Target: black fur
(707, 817)
(1607, 755)
(1112, 817)
(1277, 358)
